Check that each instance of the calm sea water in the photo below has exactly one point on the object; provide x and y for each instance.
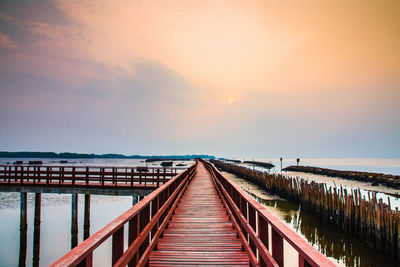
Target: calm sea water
(388, 166)
(342, 249)
(55, 236)
(381, 165)
(55, 232)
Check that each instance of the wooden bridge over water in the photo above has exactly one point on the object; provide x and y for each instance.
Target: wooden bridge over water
(198, 217)
(85, 177)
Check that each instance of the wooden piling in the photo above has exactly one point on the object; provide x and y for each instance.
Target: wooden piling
(86, 219)
(36, 230)
(23, 228)
(74, 220)
(369, 219)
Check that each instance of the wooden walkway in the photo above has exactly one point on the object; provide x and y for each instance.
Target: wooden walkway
(198, 217)
(200, 232)
(96, 177)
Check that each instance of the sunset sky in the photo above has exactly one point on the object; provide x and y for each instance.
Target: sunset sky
(231, 78)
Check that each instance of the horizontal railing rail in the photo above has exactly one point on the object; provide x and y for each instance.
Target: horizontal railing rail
(85, 175)
(253, 220)
(145, 222)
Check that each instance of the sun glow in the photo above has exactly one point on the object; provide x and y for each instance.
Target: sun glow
(231, 99)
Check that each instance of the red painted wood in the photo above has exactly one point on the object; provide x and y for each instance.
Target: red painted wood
(117, 244)
(245, 228)
(277, 247)
(87, 262)
(252, 222)
(263, 234)
(200, 231)
(308, 252)
(210, 221)
(85, 176)
(79, 253)
(303, 262)
(133, 232)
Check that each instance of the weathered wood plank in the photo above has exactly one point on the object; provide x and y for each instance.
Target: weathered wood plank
(200, 232)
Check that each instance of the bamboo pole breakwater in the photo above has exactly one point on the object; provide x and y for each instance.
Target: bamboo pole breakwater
(369, 219)
(261, 164)
(370, 177)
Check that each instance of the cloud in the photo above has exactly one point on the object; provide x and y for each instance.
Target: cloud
(7, 42)
(10, 20)
(317, 69)
(226, 48)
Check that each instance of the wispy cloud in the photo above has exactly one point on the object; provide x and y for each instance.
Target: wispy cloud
(10, 19)
(7, 42)
(322, 69)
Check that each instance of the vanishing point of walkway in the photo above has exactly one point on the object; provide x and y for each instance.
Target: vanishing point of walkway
(199, 217)
(200, 232)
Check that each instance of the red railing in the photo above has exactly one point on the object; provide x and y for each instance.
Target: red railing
(145, 221)
(252, 220)
(85, 175)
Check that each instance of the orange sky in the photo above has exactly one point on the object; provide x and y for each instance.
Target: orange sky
(333, 65)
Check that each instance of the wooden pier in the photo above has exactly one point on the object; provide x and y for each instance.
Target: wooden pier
(85, 176)
(200, 230)
(197, 218)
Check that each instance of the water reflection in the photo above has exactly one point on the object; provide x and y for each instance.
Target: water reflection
(46, 232)
(74, 221)
(86, 219)
(23, 228)
(347, 250)
(36, 230)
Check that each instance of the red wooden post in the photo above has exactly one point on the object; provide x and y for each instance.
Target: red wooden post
(154, 209)
(48, 176)
(87, 262)
(262, 234)
(102, 176)
(132, 175)
(117, 244)
(164, 177)
(252, 222)
(126, 175)
(87, 175)
(35, 173)
(277, 247)
(133, 233)
(27, 174)
(38, 173)
(243, 210)
(158, 178)
(21, 177)
(9, 174)
(144, 220)
(263, 230)
(62, 174)
(303, 262)
(73, 176)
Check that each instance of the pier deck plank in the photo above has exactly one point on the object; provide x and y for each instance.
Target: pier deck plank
(200, 232)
